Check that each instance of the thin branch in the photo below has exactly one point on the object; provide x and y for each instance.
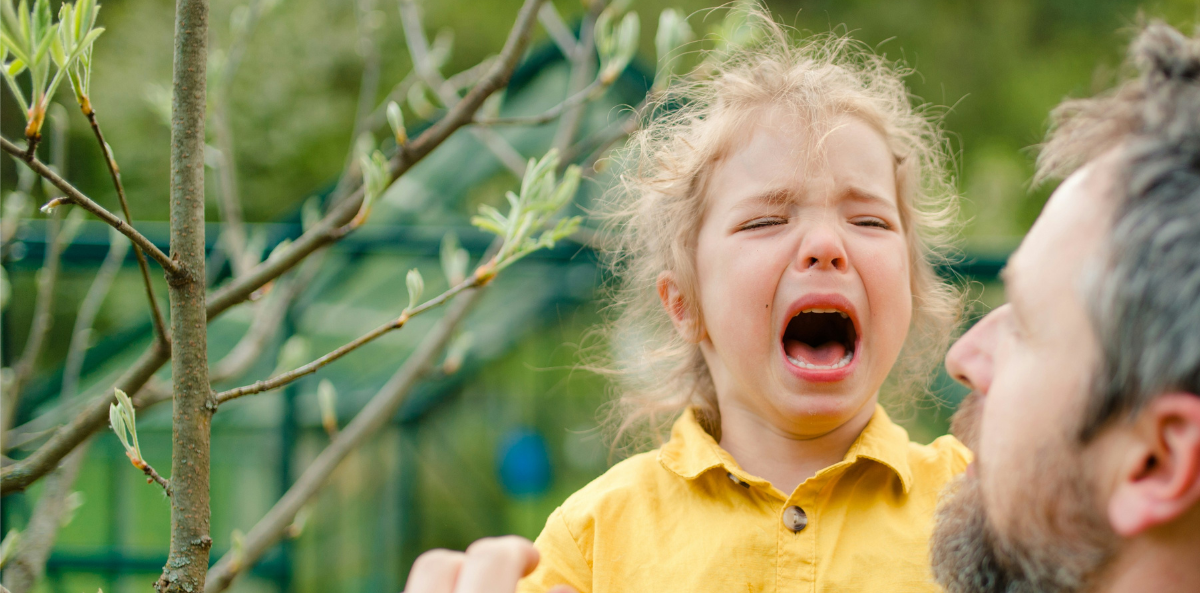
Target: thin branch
(160, 326)
(21, 474)
(376, 414)
(268, 316)
(43, 317)
(418, 48)
(153, 477)
(368, 86)
(23, 572)
(475, 280)
(601, 141)
(74, 196)
(582, 70)
(86, 316)
(547, 116)
(553, 23)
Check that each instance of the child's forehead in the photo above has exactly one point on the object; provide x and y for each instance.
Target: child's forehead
(774, 157)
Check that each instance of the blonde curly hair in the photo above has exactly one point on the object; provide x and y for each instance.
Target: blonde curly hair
(654, 213)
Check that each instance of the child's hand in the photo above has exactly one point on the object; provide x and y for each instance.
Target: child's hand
(490, 565)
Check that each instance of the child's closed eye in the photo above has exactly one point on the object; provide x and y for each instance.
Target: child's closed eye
(872, 222)
(761, 222)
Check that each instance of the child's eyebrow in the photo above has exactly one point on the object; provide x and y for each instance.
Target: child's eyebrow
(770, 197)
(859, 194)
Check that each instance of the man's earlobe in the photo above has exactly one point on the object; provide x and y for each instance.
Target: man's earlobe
(677, 308)
(1160, 482)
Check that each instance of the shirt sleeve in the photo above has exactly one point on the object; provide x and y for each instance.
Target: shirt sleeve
(956, 453)
(562, 562)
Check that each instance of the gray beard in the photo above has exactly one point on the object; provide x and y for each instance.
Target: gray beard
(1059, 546)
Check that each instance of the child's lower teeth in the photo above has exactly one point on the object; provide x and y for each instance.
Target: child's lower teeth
(837, 365)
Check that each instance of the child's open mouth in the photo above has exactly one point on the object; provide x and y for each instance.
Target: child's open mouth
(820, 339)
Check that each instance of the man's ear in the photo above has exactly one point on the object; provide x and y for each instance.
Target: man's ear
(1159, 480)
(688, 326)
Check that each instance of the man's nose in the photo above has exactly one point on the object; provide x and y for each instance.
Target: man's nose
(969, 360)
(822, 249)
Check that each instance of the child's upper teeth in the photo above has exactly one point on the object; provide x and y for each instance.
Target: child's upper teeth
(842, 313)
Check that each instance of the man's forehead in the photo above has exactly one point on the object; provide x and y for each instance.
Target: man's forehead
(1068, 233)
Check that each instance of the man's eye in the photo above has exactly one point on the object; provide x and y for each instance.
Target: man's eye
(872, 222)
(762, 222)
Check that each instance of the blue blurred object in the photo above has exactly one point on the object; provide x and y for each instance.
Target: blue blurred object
(524, 463)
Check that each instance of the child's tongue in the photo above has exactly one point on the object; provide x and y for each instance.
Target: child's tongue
(826, 354)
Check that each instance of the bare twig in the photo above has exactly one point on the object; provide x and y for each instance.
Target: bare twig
(86, 316)
(418, 48)
(21, 474)
(582, 70)
(153, 477)
(371, 418)
(268, 316)
(368, 86)
(74, 196)
(599, 143)
(24, 571)
(160, 326)
(547, 116)
(477, 279)
(191, 420)
(553, 23)
(42, 319)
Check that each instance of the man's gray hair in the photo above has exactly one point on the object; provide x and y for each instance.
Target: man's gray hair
(1145, 302)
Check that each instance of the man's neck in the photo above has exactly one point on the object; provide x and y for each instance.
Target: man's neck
(782, 457)
(1156, 566)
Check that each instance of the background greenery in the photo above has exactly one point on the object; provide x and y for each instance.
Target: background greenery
(997, 68)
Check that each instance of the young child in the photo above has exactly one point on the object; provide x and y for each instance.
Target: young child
(779, 233)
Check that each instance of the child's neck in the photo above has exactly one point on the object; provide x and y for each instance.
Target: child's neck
(784, 458)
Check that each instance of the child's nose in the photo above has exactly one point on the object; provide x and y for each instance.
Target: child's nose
(822, 249)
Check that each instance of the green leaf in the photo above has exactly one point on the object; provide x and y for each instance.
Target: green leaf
(454, 259)
(416, 285)
(673, 33)
(396, 119)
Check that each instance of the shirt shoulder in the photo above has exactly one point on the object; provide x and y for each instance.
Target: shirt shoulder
(938, 462)
(630, 480)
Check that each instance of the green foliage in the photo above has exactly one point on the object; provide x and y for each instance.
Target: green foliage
(616, 42)
(673, 33)
(123, 420)
(541, 197)
(48, 50)
(454, 259)
(416, 286)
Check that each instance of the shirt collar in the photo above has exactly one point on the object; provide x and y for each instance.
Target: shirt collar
(691, 451)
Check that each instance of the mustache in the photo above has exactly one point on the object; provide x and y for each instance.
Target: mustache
(964, 424)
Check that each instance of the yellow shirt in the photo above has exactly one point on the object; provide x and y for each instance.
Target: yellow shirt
(687, 518)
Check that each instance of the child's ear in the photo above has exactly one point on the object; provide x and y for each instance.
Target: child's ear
(677, 308)
(1159, 479)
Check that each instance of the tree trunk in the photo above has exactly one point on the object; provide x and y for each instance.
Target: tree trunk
(193, 403)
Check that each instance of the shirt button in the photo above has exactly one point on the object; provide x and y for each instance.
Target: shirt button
(795, 519)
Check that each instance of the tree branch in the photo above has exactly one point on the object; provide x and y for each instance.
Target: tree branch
(418, 47)
(86, 316)
(24, 572)
(582, 67)
(547, 116)
(191, 420)
(372, 417)
(476, 279)
(42, 319)
(21, 474)
(160, 326)
(553, 23)
(74, 196)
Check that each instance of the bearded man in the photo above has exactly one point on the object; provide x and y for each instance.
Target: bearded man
(1085, 406)
(1084, 412)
